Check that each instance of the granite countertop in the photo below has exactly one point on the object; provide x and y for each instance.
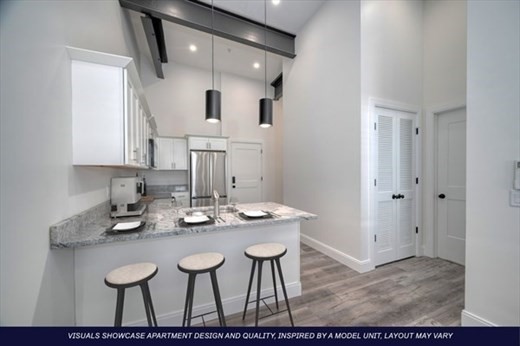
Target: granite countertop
(162, 220)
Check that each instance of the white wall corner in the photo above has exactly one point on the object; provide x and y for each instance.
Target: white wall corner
(469, 319)
(361, 266)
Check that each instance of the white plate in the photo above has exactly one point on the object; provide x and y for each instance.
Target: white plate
(125, 226)
(254, 213)
(196, 219)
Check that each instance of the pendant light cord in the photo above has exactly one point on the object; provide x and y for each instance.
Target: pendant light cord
(212, 51)
(265, 46)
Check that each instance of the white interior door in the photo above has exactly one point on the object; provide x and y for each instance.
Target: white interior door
(246, 172)
(395, 212)
(451, 185)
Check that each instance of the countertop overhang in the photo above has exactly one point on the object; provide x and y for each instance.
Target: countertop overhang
(90, 227)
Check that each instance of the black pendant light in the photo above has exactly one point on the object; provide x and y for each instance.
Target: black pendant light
(212, 96)
(266, 104)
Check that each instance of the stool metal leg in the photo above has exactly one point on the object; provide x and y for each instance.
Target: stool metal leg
(145, 300)
(284, 290)
(218, 301)
(189, 300)
(192, 293)
(249, 288)
(258, 289)
(119, 307)
(274, 285)
(150, 303)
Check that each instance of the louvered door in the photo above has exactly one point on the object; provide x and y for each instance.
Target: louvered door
(395, 212)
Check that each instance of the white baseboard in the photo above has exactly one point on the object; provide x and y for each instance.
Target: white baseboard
(351, 262)
(469, 319)
(230, 305)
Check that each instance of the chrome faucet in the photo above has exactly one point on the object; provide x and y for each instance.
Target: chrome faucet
(216, 197)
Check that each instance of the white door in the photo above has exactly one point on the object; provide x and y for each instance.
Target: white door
(395, 213)
(246, 172)
(451, 185)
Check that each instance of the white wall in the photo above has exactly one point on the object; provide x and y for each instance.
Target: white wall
(178, 104)
(444, 87)
(391, 70)
(240, 107)
(493, 142)
(322, 141)
(38, 184)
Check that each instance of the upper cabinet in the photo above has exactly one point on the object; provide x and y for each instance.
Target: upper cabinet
(111, 121)
(172, 153)
(207, 143)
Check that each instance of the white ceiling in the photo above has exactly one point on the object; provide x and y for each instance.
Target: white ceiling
(288, 15)
(230, 56)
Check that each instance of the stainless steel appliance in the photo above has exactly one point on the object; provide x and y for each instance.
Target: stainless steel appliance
(125, 196)
(207, 173)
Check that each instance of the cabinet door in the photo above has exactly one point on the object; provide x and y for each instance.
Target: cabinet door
(198, 143)
(217, 144)
(143, 138)
(164, 153)
(180, 154)
(129, 109)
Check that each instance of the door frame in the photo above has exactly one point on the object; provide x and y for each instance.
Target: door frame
(430, 246)
(373, 168)
(262, 164)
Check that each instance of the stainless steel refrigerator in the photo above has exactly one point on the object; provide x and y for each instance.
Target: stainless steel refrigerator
(207, 173)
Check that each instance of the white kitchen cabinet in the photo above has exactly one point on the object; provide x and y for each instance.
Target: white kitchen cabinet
(172, 153)
(207, 143)
(109, 111)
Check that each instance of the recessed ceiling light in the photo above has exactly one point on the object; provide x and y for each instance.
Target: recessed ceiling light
(276, 2)
(256, 65)
(193, 47)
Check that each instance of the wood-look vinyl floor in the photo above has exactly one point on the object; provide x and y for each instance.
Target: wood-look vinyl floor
(419, 291)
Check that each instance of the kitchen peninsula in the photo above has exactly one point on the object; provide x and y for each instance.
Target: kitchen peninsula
(164, 242)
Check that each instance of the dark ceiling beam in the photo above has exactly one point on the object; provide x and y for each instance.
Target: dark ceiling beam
(278, 87)
(197, 15)
(155, 37)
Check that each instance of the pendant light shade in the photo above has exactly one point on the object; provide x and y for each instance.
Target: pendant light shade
(212, 106)
(212, 95)
(266, 112)
(266, 104)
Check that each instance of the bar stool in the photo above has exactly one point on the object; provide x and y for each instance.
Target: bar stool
(271, 252)
(131, 275)
(201, 263)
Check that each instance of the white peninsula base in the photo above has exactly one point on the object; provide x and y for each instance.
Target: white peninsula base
(95, 302)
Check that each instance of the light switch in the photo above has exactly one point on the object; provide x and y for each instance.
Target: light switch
(514, 198)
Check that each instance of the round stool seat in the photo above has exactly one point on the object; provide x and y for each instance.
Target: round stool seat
(201, 262)
(131, 274)
(266, 250)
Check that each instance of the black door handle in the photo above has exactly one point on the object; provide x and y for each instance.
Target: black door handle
(394, 196)
(233, 180)
(442, 196)
(400, 196)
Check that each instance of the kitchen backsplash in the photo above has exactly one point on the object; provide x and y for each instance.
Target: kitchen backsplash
(164, 177)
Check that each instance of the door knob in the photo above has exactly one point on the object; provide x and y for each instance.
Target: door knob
(394, 196)
(442, 196)
(400, 196)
